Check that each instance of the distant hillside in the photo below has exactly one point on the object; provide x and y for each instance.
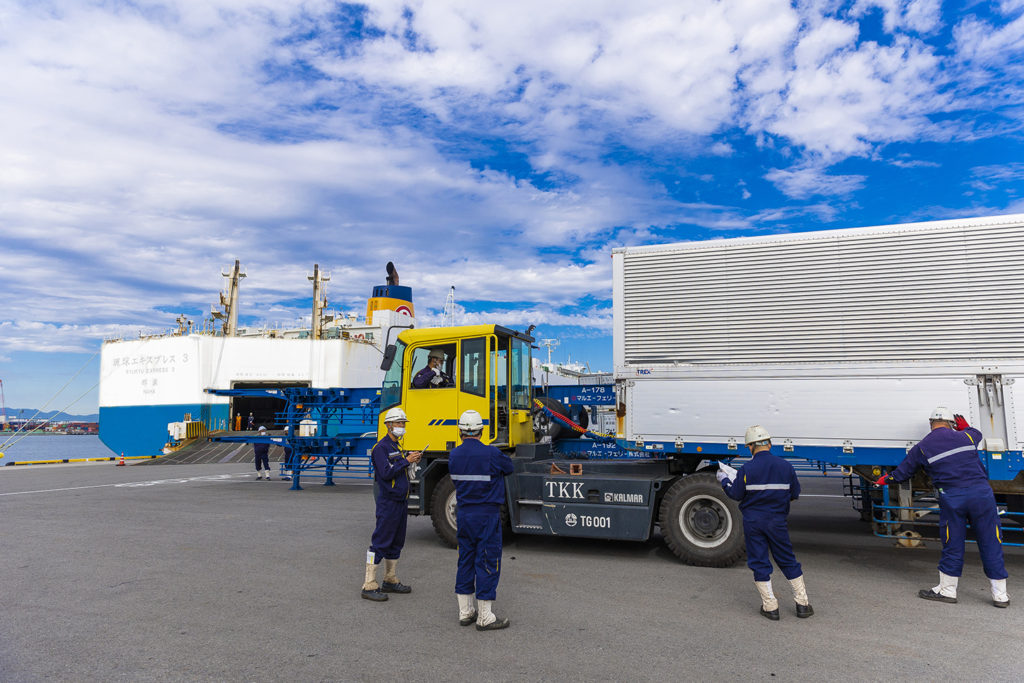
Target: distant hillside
(18, 414)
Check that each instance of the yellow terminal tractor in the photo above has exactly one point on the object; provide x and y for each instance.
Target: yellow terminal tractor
(435, 374)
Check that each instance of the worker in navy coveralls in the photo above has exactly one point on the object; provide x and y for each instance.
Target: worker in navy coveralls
(764, 486)
(261, 453)
(391, 489)
(949, 454)
(432, 376)
(478, 472)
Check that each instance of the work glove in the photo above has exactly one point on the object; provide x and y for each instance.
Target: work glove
(882, 480)
(437, 371)
(436, 379)
(960, 423)
(720, 475)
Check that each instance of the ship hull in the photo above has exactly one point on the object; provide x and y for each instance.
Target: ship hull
(142, 430)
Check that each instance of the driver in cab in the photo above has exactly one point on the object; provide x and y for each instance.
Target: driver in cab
(432, 376)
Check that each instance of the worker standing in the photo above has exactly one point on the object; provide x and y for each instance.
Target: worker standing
(478, 472)
(949, 454)
(432, 376)
(764, 486)
(261, 453)
(390, 489)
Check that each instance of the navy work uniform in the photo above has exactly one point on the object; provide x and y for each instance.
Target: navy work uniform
(261, 453)
(478, 472)
(424, 379)
(764, 487)
(951, 460)
(391, 489)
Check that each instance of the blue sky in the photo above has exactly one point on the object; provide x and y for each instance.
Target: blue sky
(503, 148)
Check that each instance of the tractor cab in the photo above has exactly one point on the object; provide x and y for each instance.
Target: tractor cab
(486, 368)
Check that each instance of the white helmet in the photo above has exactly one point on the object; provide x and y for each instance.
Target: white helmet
(941, 413)
(470, 421)
(436, 353)
(755, 434)
(395, 415)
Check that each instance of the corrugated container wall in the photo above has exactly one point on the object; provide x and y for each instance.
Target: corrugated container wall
(925, 291)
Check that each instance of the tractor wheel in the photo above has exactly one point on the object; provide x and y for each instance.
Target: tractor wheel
(442, 511)
(701, 524)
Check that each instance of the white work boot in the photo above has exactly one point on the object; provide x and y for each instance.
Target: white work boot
(944, 592)
(259, 474)
(999, 596)
(371, 589)
(467, 609)
(803, 605)
(769, 605)
(485, 620)
(391, 583)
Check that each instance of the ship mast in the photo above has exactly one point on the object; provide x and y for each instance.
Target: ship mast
(448, 318)
(550, 343)
(230, 303)
(319, 301)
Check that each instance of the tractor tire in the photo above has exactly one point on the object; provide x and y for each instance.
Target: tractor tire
(701, 524)
(547, 426)
(442, 511)
(584, 420)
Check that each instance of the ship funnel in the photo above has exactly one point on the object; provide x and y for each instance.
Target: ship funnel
(390, 297)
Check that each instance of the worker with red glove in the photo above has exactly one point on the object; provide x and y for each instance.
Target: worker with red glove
(949, 454)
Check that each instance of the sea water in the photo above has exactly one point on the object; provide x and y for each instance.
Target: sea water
(22, 447)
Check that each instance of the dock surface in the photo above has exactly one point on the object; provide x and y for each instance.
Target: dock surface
(203, 573)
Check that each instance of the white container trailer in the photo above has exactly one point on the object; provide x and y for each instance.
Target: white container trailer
(839, 343)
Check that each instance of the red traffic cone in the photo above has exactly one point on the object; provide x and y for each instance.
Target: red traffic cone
(121, 463)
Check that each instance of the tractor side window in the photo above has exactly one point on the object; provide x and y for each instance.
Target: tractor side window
(474, 366)
(423, 374)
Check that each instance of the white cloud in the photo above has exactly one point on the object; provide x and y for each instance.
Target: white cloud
(921, 16)
(810, 180)
(594, 320)
(147, 145)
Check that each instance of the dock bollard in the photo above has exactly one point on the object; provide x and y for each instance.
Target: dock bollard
(121, 462)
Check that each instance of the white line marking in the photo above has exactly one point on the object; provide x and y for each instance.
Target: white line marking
(132, 484)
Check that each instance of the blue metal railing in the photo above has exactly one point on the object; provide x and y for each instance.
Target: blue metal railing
(328, 432)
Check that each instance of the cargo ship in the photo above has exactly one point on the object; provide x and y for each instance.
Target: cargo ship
(151, 382)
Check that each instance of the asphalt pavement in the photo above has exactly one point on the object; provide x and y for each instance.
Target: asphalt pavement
(203, 573)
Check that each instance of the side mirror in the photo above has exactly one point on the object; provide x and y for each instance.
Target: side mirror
(389, 357)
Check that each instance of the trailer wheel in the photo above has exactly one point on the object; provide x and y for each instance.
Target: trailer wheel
(442, 511)
(701, 524)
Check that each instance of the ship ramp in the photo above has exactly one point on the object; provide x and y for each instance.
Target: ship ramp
(203, 451)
